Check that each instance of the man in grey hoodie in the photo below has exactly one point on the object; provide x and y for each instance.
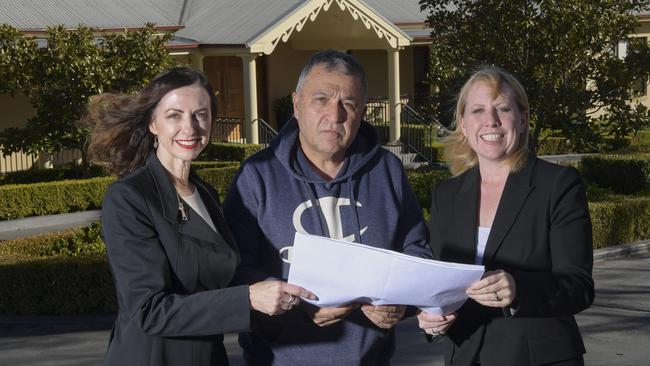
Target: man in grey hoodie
(324, 174)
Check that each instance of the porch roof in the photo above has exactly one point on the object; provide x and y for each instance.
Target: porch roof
(243, 24)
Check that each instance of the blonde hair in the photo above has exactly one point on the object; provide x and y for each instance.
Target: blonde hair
(458, 153)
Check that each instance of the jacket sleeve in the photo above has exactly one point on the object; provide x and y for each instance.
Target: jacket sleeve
(240, 208)
(411, 223)
(144, 280)
(568, 287)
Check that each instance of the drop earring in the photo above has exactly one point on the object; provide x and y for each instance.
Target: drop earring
(155, 141)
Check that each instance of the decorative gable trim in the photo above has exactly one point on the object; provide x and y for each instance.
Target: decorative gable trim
(295, 21)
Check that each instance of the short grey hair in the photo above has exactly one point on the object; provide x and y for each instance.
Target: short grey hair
(334, 60)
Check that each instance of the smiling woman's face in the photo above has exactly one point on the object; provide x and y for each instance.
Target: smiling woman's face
(182, 123)
(492, 122)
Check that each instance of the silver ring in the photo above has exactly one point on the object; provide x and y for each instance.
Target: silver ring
(290, 301)
(496, 296)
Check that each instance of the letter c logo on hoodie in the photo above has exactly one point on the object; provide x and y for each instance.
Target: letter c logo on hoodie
(330, 207)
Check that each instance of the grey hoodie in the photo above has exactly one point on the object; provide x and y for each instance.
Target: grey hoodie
(277, 193)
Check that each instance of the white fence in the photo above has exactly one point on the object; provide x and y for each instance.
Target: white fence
(22, 161)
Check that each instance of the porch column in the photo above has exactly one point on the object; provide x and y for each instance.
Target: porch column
(393, 95)
(250, 100)
(196, 58)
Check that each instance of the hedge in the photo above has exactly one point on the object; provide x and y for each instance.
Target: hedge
(57, 286)
(226, 151)
(67, 273)
(562, 146)
(621, 173)
(620, 220)
(423, 182)
(198, 165)
(71, 243)
(641, 138)
(24, 200)
(219, 178)
(31, 176)
(56, 274)
(49, 175)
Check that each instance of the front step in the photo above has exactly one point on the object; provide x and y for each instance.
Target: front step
(409, 160)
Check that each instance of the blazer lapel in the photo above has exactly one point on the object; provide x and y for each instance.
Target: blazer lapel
(211, 202)
(466, 216)
(516, 191)
(185, 269)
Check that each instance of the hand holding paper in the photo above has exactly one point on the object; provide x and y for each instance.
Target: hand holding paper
(341, 272)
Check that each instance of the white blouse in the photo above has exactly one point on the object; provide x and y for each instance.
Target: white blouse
(195, 201)
(481, 241)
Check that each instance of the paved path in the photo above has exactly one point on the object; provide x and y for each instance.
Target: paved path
(12, 229)
(616, 328)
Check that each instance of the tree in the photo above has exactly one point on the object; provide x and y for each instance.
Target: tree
(563, 52)
(62, 75)
(16, 51)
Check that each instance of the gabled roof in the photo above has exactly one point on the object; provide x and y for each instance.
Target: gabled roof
(399, 11)
(37, 15)
(252, 24)
(233, 22)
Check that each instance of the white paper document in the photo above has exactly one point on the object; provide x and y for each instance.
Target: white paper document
(340, 272)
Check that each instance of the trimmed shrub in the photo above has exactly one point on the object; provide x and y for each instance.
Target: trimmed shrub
(199, 165)
(620, 220)
(423, 182)
(561, 145)
(623, 174)
(23, 200)
(72, 243)
(56, 286)
(49, 175)
(219, 178)
(226, 151)
(56, 274)
(555, 146)
(642, 138)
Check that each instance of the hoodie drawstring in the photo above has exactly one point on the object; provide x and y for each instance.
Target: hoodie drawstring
(355, 211)
(321, 216)
(316, 204)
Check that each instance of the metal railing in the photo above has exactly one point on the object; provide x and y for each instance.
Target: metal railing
(231, 129)
(265, 133)
(417, 132)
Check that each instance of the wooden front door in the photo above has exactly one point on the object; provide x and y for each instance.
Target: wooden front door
(226, 75)
(227, 78)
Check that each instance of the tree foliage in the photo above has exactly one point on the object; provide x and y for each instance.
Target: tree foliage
(563, 52)
(60, 72)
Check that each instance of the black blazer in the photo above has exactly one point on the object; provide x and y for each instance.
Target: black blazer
(171, 275)
(541, 235)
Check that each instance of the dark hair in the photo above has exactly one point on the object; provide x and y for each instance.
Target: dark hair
(334, 60)
(120, 139)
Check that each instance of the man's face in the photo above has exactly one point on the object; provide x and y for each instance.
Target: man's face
(329, 108)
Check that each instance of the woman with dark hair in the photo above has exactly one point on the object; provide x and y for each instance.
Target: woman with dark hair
(525, 220)
(170, 251)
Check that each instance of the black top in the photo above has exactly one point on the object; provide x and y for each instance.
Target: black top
(171, 274)
(541, 235)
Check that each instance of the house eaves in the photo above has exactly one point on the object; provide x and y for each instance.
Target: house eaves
(310, 10)
(37, 15)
